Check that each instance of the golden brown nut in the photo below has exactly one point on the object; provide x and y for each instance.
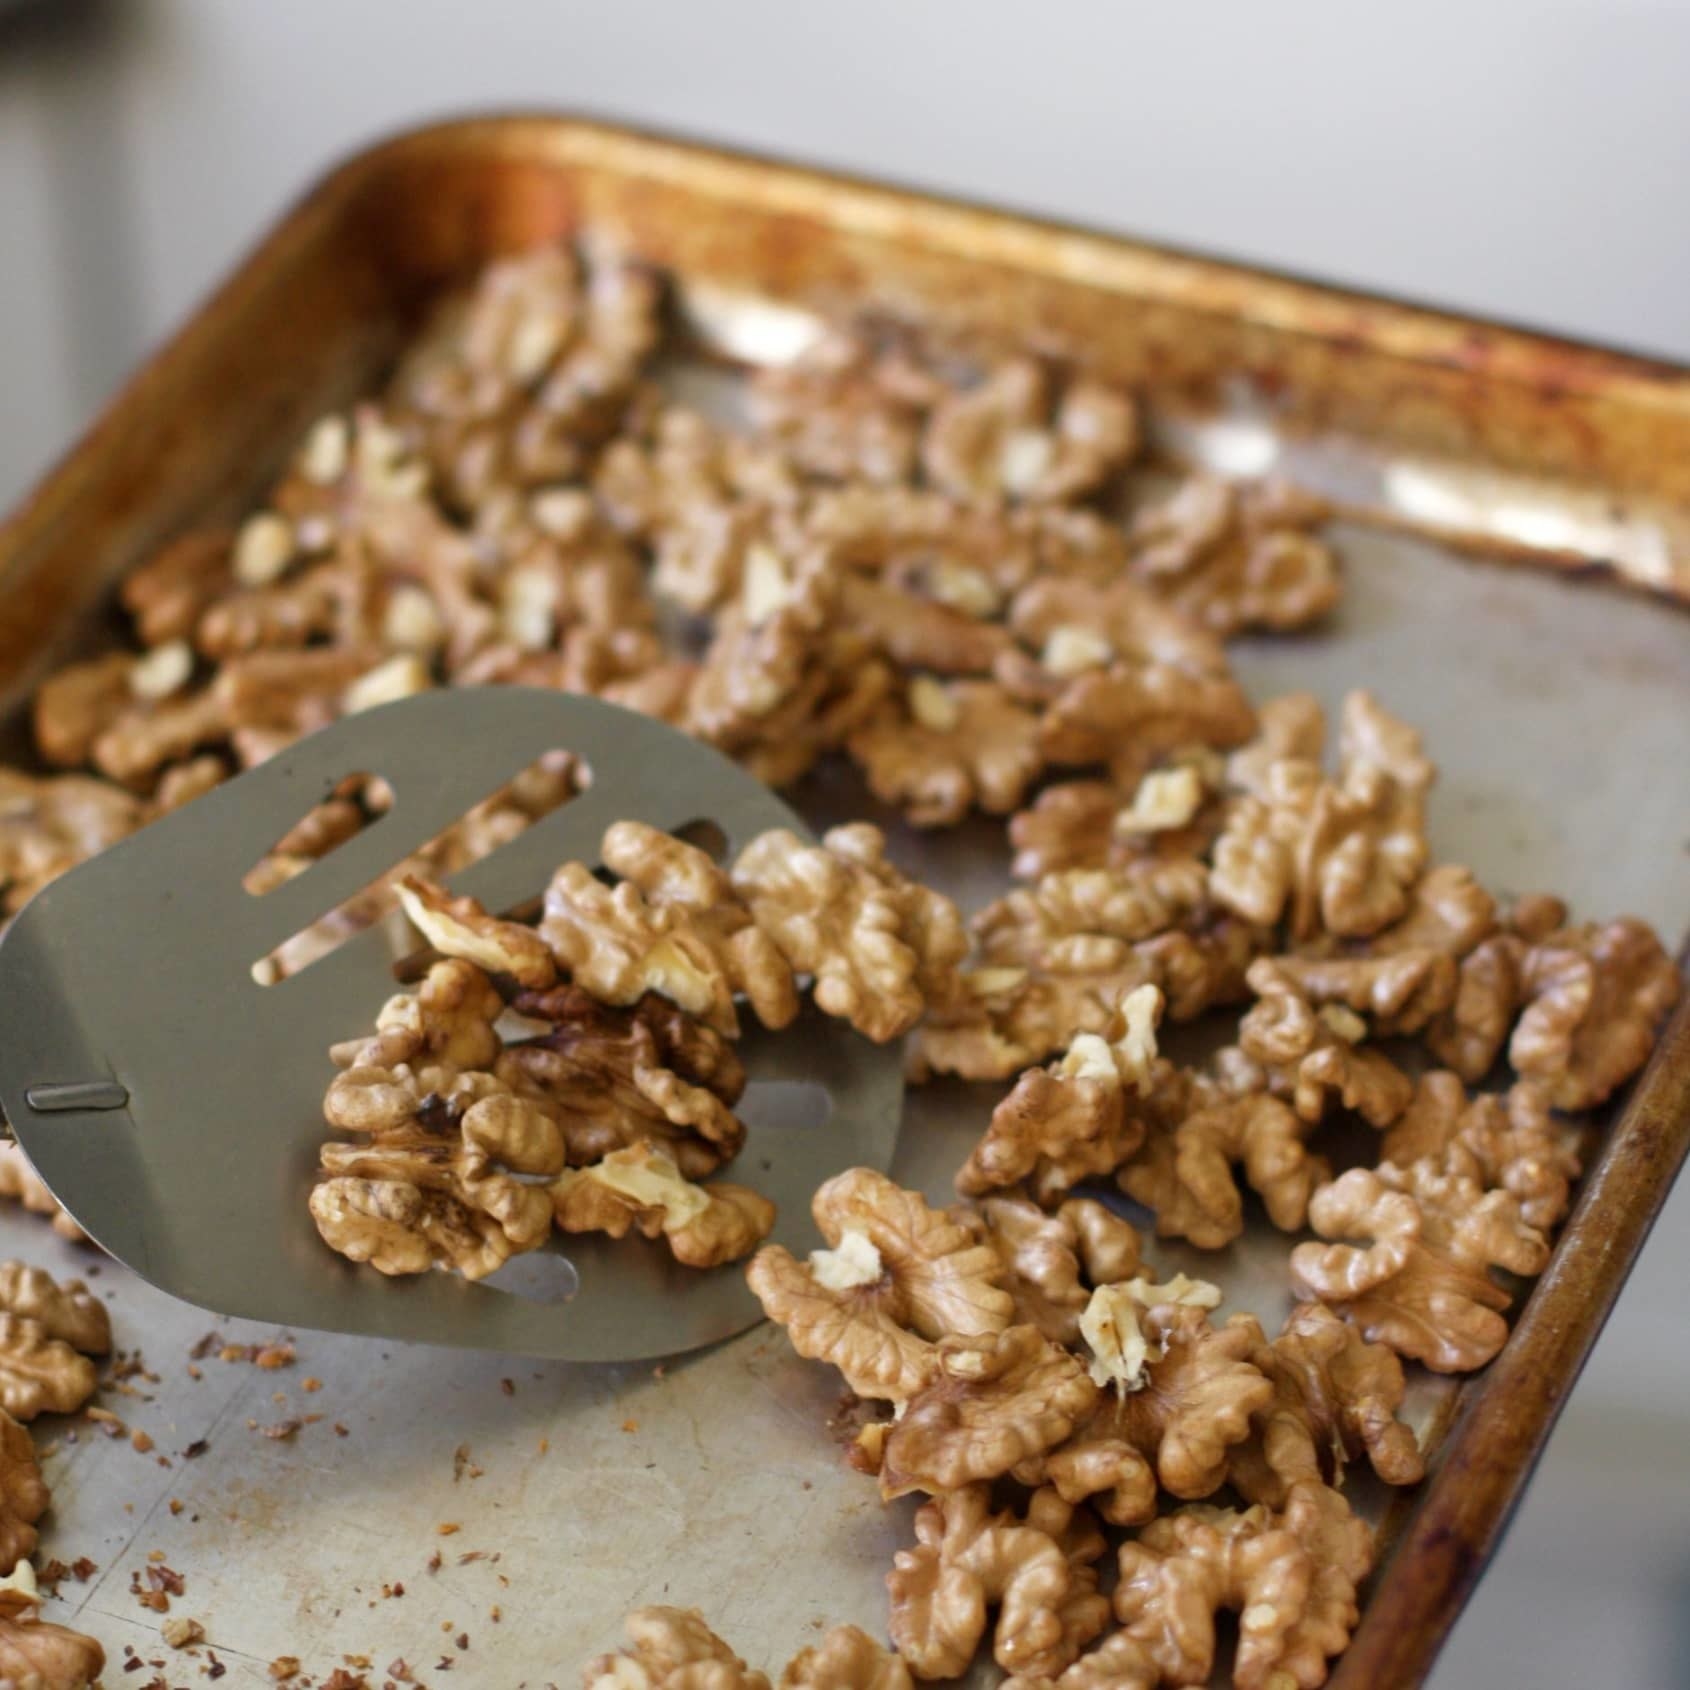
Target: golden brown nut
(670, 1649)
(40, 1374)
(703, 1225)
(879, 946)
(167, 593)
(1013, 437)
(918, 631)
(1397, 994)
(48, 826)
(994, 1402)
(1119, 1662)
(1236, 558)
(1340, 1548)
(1094, 824)
(896, 1276)
(967, 1559)
(1510, 1143)
(35, 1655)
(20, 1182)
(448, 1019)
(1335, 1398)
(1290, 727)
(76, 704)
(1185, 1175)
(1422, 1285)
(939, 750)
(23, 1494)
(460, 927)
(846, 1658)
(1132, 902)
(70, 1312)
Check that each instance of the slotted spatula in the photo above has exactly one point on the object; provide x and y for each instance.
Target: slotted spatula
(174, 1105)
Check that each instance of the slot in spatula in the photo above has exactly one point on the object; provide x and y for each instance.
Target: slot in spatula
(174, 1104)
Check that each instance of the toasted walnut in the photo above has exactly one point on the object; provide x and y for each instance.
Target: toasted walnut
(703, 1225)
(879, 946)
(1335, 1398)
(74, 706)
(21, 1183)
(1340, 1549)
(1185, 1174)
(39, 1373)
(995, 1401)
(967, 1559)
(460, 927)
(927, 619)
(70, 1312)
(167, 593)
(671, 1649)
(35, 1655)
(1509, 1143)
(1075, 1119)
(448, 1019)
(618, 1077)
(1422, 1285)
(1397, 994)
(1236, 558)
(846, 1658)
(1077, 625)
(1292, 726)
(23, 1493)
(1470, 1034)
(1094, 824)
(1012, 438)
(48, 826)
(896, 1276)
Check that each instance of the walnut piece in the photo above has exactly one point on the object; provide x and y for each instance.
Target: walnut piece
(50, 825)
(40, 1374)
(70, 1312)
(846, 1658)
(22, 1184)
(36, 1655)
(896, 1276)
(703, 1225)
(879, 946)
(670, 1649)
(1039, 1573)
(460, 927)
(23, 1494)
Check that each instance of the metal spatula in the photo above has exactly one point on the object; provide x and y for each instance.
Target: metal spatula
(174, 1105)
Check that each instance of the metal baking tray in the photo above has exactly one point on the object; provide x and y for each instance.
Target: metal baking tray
(1553, 703)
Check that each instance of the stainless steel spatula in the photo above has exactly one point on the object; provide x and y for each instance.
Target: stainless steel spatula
(174, 1105)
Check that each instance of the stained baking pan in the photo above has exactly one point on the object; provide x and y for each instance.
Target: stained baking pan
(1552, 703)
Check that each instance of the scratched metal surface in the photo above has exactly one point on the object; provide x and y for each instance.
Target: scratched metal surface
(1557, 712)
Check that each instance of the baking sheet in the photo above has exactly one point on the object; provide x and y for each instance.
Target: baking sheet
(1556, 711)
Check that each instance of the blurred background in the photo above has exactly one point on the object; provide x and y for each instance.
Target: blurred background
(1528, 164)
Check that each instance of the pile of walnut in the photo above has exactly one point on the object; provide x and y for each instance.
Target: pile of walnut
(583, 1074)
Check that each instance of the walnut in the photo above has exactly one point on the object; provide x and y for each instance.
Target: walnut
(70, 1312)
(460, 927)
(1422, 1285)
(1038, 1573)
(1292, 726)
(1509, 1143)
(40, 1373)
(1077, 625)
(35, 1655)
(23, 1493)
(1050, 1263)
(921, 632)
(1335, 1398)
(1075, 1119)
(993, 1402)
(448, 1019)
(1470, 1034)
(50, 825)
(671, 1649)
(1185, 1175)
(1119, 1662)
(1237, 558)
(879, 946)
(1396, 994)
(167, 593)
(1131, 903)
(937, 750)
(896, 1276)
(21, 1183)
(76, 704)
(1011, 437)
(846, 1658)
(618, 1077)
(640, 1186)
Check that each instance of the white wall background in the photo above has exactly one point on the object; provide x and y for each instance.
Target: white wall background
(1531, 164)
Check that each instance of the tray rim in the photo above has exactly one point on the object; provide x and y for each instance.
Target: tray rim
(1457, 1516)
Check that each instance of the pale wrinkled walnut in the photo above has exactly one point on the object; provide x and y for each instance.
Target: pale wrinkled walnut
(23, 1493)
(1075, 1119)
(670, 1649)
(938, 750)
(1396, 994)
(1119, 1662)
(1335, 857)
(896, 1276)
(703, 1225)
(1422, 1284)
(1335, 1399)
(22, 1184)
(36, 1655)
(617, 1077)
(880, 947)
(182, 783)
(1237, 558)
(1292, 726)
(846, 1658)
(1185, 1175)
(40, 1374)
(1039, 1574)
(993, 1402)
(1051, 1263)
(69, 1312)
(460, 927)
(1469, 1036)
(1510, 1143)
(904, 534)
(50, 825)
(845, 410)
(1013, 437)
(1340, 1547)
(1449, 913)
